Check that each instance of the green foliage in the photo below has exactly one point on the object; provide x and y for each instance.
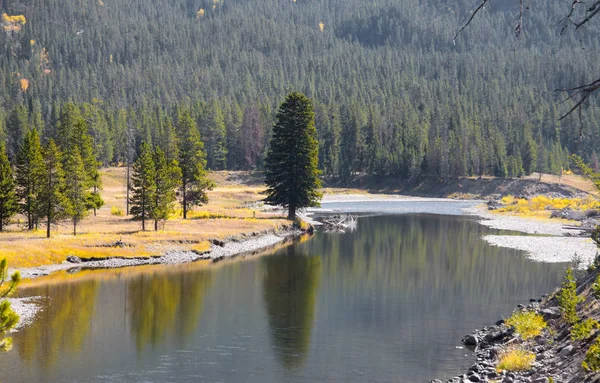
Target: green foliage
(583, 329)
(52, 203)
(596, 287)
(9, 204)
(592, 357)
(167, 177)
(528, 324)
(515, 360)
(75, 188)
(29, 176)
(8, 318)
(192, 162)
(143, 185)
(292, 175)
(568, 298)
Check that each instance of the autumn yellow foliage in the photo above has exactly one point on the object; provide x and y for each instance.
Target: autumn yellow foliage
(541, 206)
(515, 359)
(13, 23)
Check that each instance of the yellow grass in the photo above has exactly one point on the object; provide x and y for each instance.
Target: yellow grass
(515, 359)
(541, 206)
(232, 210)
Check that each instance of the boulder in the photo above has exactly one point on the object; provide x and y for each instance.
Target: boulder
(73, 259)
(471, 340)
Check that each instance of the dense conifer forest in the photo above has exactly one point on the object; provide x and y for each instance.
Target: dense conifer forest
(393, 95)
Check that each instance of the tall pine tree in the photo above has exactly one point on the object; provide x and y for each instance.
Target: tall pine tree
(52, 202)
(167, 176)
(76, 186)
(29, 176)
(9, 205)
(143, 185)
(292, 175)
(192, 161)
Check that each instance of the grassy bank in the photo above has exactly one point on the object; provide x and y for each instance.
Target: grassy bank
(231, 211)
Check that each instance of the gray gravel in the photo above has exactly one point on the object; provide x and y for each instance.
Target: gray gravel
(554, 243)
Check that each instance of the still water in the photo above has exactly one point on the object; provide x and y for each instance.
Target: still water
(386, 303)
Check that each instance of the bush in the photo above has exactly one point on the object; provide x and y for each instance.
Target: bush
(528, 324)
(592, 357)
(596, 287)
(8, 318)
(568, 299)
(116, 211)
(515, 359)
(583, 330)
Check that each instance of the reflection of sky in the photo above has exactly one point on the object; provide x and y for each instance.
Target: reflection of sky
(393, 300)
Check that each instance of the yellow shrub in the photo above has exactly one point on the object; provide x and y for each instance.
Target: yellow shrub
(527, 324)
(515, 359)
(116, 211)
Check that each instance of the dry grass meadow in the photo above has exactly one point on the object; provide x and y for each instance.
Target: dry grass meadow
(231, 211)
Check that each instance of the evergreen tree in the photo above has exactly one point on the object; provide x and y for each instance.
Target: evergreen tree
(9, 205)
(531, 157)
(8, 318)
(292, 175)
(143, 185)
(76, 186)
(192, 161)
(17, 126)
(52, 203)
(29, 176)
(167, 177)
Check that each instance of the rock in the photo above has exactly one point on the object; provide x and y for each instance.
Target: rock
(566, 351)
(471, 340)
(73, 259)
(550, 313)
(474, 378)
(540, 380)
(436, 381)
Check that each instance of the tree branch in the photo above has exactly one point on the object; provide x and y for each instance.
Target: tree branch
(479, 8)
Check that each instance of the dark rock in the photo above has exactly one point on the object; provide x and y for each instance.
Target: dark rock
(550, 313)
(566, 351)
(73, 259)
(500, 322)
(475, 378)
(217, 242)
(436, 381)
(540, 380)
(471, 340)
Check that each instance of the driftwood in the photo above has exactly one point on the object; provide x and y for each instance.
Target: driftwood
(340, 223)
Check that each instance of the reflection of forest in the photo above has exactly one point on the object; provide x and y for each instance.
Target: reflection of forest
(166, 303)
(437, 254)
(290, 287)
(62, 326)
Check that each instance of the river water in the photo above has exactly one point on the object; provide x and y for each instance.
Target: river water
(389, 302)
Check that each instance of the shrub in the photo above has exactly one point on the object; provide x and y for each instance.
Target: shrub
(592, 357)
(528, 324)
(116, 211)
(583, 330)
(568, 299)
(515, 359)
(596, 287)
(8, 318)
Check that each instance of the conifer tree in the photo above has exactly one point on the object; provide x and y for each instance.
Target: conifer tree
(192, 161)
(52, 202)
(292, 175)
(143, 185)
(9, 205)
(29, 173)
(167, 176)
(17, 126)
(8, 318)
(76, 184)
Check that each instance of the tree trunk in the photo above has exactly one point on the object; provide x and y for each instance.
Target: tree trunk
(127, 198)
(48, 225)
(95, 191)
(291, 212)
(74, 227)
(155, 225)
(184, 201)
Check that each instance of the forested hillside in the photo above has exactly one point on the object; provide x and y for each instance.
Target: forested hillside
(393, 94)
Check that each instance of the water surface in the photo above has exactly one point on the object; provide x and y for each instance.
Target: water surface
(387, 303)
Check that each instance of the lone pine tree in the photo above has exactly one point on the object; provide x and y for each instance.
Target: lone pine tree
(292, 174)
(29, 176)
(52, 202)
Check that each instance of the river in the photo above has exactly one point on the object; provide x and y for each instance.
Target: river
(388, 302)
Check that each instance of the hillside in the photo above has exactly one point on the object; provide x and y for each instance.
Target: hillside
(393, 95)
